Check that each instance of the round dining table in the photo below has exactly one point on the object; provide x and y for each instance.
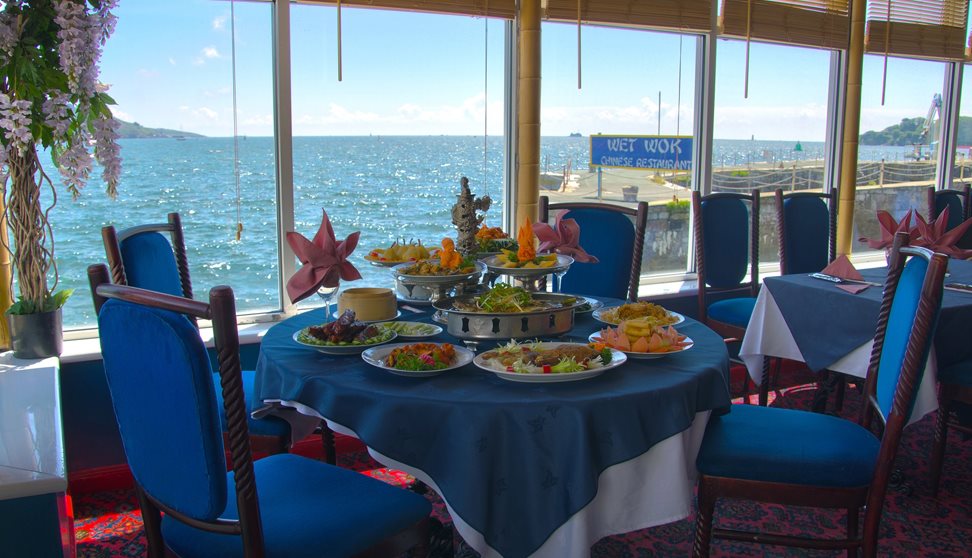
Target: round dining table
(525, 469)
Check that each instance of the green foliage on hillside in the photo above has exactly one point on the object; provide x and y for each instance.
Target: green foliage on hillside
(136, 130)
(909, 132)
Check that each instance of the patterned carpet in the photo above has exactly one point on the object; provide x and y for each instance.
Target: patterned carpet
(108, 524)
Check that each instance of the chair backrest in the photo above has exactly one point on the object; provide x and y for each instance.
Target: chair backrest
(905, 329)
(726, 229)
(957, 202)
(143, 257)
(806, 224)
(608, 232)
(161, 386)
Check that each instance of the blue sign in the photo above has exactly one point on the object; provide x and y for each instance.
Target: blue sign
(642, 152)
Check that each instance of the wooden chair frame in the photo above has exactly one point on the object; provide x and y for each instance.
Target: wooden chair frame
(640, 213)
(853, 498)
(749, 288)
(221, 311)
(173, 227)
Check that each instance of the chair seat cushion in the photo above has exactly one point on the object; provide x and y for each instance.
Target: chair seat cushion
(959, 374)
(787, 446)
(308, 508)
(733, 311)
(266, 426)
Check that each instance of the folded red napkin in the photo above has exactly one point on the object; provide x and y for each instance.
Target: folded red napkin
(853, 289)
(562, 238)
(324, 260)
(843, 268)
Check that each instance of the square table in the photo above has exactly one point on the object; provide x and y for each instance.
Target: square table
(812, 321)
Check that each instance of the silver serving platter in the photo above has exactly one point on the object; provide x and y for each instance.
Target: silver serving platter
(495, 268)
(517, 325)
(428, 288)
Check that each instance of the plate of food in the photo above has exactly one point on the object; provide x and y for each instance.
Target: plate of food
(399, 253)
(490, 241)
(418, 360)
(589, 304)
(412, 330)
(344, 336)
(541, 362)
(641, 340)
(614, 315)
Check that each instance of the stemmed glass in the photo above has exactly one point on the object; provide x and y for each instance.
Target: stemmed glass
(560, 279)
(327, 294)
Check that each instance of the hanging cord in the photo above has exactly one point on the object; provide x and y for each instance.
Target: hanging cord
(236, 134)
(485, 97)
(578, 44)
(340, 76)
(887, 41)
(749, 23)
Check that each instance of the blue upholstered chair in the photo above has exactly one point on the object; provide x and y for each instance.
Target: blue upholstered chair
(726, 248)
(168, 413)
(959, 209)
(153, 257)
(806, 223)
(613, 233)
(800, 458)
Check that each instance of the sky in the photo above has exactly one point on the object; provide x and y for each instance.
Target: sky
(169, 65)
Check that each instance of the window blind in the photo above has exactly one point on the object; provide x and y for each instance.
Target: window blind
(680, 15)
(505, 9)
(917, 28)
(813, 23)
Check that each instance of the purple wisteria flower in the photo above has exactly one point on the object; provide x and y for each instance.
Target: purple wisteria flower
(81, 36)
(75, 164)
(57, 113)
(107, 151)
(15, 120)
(9, 35)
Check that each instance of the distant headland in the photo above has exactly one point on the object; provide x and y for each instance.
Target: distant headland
(134, 130)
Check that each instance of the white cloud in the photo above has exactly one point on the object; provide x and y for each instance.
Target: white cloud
(210, 52)
(172, 61)
(206, 112)
(219, 22)
(120, 114)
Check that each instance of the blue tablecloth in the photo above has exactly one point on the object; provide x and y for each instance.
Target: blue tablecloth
(810, 306)
(514, 460)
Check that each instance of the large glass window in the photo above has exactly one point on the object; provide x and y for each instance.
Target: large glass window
(384, 149)
(169, 67)
(635, 84)
(899, 141)
(962, 171)
(775, 137)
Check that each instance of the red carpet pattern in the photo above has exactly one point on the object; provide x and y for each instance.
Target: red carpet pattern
(108, 524)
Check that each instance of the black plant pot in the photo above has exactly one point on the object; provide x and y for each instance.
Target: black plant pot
(36, 335)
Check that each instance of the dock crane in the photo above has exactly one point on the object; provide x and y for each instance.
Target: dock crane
(929, 130)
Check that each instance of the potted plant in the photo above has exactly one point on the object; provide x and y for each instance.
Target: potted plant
(50, 99)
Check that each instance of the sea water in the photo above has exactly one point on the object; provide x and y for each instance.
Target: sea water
(386, 187)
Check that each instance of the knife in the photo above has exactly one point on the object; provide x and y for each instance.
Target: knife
(839, 280)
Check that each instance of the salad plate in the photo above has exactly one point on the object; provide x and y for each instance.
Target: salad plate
(411, 330)
(345, 348)
(609, 316)
(530, 373)
(590, 305)
(596, 338)
(377, 357)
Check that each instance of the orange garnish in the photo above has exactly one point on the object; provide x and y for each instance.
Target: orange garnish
(490, 233)
(524, 237)
(448, 257)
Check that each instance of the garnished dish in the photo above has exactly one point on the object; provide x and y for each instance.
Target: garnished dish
(536, 361)
(654, 313)
(411, 330)
(639, 338)
(399, 253)
(449, 262)
(525, 256)
(344, 335)
(418, 359)
(507, 299)
(491, 240)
